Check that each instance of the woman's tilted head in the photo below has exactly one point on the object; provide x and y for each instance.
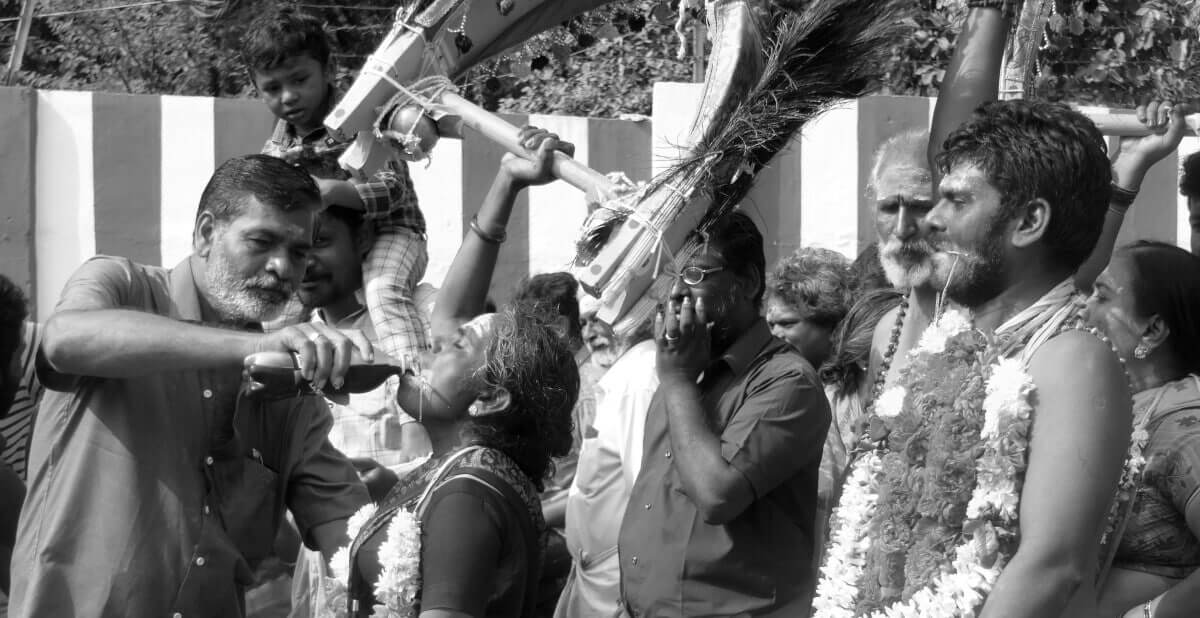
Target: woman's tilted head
(1148, 303)
(529, 360)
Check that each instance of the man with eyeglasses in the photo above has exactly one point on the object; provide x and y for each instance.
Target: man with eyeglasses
(720, 520)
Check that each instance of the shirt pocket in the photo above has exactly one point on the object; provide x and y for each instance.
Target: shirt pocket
(246, 492)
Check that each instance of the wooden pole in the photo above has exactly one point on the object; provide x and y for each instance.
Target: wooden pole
(18, 51)
(699, 37)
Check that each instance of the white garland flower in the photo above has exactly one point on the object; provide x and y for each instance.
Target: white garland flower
(849, 542)
(1007, 397)
(949, 324)
(960, 590)
(400, 579)
(891, 402)
(359, 519)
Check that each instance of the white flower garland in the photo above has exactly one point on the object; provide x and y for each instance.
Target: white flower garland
(400, 561)
(959, 591)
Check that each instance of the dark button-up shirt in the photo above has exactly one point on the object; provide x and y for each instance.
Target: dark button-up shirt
(156, 496)
(767, 405)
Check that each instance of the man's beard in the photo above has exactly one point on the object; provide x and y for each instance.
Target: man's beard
(239, 300)
(907, 264)
(971, 278)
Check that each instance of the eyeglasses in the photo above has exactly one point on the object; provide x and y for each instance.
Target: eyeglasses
(693, 275)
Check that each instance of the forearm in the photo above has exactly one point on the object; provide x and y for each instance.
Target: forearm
(465, 288)
(122, 343)
(1102, 253)
(707, 478)
(973, 76)
(1033, 587)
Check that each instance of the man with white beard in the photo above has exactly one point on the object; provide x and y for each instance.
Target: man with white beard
(156, 483)
(903, 182)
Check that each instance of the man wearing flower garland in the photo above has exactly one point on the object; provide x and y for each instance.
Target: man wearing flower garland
(1041, 409)
(733, 443)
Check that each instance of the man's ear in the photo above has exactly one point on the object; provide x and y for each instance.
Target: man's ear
(1032, 223)
(492, 401)
(364, 239)
(204, 234)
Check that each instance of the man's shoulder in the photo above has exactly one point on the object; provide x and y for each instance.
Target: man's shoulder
(1076, 360)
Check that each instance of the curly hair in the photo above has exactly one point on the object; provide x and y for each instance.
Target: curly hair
(1189, 181)
(816, 282)
(529, 359)
(852, 340)
(557, 293)
(278, 36)
(1031, 150)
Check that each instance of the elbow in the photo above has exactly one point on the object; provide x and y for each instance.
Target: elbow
(58, 347)
(65, 345)
(1061, 570)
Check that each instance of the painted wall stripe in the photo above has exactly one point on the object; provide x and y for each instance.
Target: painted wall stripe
(18, 109)
(1183, 229)
(480, 158)
(128, 186)
(64, 216)
(774, 203)
(187, 163)
(441, 200)
(557, 210)
(240, 126)
(620, 145)
(831, 185)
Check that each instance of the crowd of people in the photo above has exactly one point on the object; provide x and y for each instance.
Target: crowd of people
(993, 410)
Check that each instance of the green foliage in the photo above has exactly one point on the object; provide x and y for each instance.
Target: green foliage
(1113, 52)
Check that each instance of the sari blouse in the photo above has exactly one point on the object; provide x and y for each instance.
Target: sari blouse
(482, 505)
(1157, 538)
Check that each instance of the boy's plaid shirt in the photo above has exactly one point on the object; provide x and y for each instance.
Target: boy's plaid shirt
(388, 197)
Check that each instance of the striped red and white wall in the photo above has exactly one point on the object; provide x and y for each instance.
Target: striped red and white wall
(83, 173)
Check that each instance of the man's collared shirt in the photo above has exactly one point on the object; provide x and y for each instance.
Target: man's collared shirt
(157, 495)
(388, 198)
(767, 404)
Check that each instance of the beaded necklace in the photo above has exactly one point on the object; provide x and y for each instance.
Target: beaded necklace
(886, 364)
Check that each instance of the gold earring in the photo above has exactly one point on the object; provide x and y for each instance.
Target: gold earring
(1140, 351)
(473, 410)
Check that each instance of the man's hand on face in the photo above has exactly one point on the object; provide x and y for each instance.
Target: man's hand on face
(536, 167)
(339, 193)
(684, 340)
(323, 354)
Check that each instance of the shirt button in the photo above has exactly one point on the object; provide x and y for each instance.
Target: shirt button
(177, 615)
(207, 393)
(634, 560)
(668, 454)
(207, 510)
(647, 507)
(200, 561)
(208, 460)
